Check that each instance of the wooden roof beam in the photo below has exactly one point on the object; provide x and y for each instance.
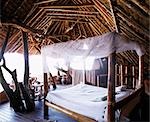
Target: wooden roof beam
(132, 22)
(94, 29)
(41, 22)
(64, 7)
(16, 44)
(31, 12)
(46, 1)
(113, 3)
(143, 6)
(133, 7)
(72, 11)
(21, 26)
(127, 27)
(71, 14)
(12, 39)
(106, 14)
(46, 23)
(41, 12)
(70, 20)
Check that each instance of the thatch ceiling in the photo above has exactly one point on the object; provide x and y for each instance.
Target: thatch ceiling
(54, 21)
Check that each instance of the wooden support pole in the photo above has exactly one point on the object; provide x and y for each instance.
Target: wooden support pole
(111, 87)
(26, 58)
(141, 70)
(45, 93)
(122, 74)
(25, 88)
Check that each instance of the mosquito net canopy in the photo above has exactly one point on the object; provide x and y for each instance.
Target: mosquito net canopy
(89, 48)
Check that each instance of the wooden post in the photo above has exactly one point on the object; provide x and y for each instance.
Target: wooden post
(141, 69)
(45, 93)
(116, 74)
(26, 58)
(111, 88)
(25, 88)
(122, 74)
(133, 77)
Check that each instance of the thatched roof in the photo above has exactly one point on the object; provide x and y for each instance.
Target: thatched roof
(54, 21)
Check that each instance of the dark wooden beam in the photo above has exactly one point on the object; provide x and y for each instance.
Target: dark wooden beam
(70, 20)
(71, 14)
(142, 5)
(14, 45)
(105, 13)
(132, 22)
(113, 3)
(64, 7)
(46, 1)
(124, 26)
(5, 43)
(21, 26)
(134, 8)
(72, 11)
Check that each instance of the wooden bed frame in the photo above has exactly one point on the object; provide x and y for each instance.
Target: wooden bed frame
(74, 115)
(124, 105)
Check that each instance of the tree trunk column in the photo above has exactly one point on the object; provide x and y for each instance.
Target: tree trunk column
(111, 88)
(45, 93)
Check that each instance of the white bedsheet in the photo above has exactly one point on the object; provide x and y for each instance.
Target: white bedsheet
(84, 99)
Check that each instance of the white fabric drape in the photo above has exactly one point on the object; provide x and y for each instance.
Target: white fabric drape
(97, 47)
(77, 76)
(90, 76)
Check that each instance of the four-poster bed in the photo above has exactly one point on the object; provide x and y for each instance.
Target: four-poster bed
(106, 45)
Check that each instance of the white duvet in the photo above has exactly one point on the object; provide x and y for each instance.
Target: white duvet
(85, 99)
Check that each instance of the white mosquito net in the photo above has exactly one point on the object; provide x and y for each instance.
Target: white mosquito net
(92, 47)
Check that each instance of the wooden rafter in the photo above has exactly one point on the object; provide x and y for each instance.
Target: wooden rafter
(46, 23)
(132, 22)
(142, 5)
(106, 14)
(36, 15)
(43, 20)
(22, 3)
(64, 7)
(21, 26)
(70, 20)
(127, 26)
(94, 29)
(133, 7)
(31, 12)
(70, 14)
(14, 45)
(113, 3)
(46, 1)
(72, 11)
